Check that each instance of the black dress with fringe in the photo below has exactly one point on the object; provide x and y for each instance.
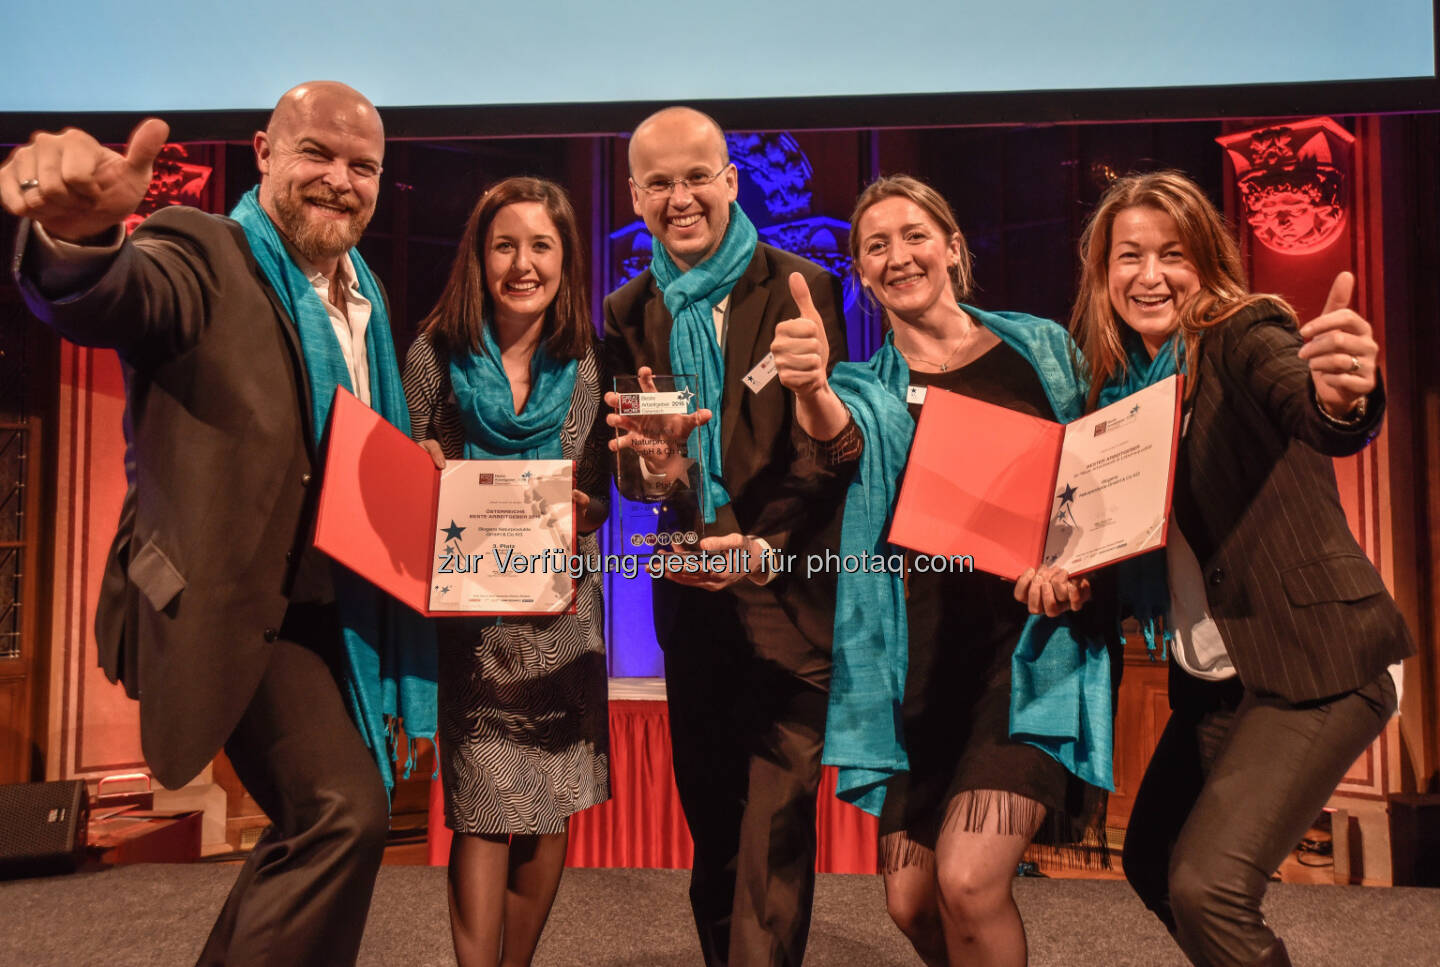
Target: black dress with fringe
(956, 710)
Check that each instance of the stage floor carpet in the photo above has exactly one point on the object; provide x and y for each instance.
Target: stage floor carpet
(154, 916)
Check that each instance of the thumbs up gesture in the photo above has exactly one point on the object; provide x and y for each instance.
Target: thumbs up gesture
(1340, 350)
(75, 186)
(800, 347)
(802, 353)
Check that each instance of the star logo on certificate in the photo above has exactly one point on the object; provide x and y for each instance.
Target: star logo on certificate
(443, 588)
(686, 396)
(453, 532)
(1066, 513)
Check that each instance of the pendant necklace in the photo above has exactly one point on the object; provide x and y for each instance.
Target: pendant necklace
(944, 366)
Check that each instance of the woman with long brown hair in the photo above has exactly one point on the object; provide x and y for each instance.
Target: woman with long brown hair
(1279, 629)
(505, 368)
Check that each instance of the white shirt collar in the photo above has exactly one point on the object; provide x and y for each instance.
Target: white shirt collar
(345, 269)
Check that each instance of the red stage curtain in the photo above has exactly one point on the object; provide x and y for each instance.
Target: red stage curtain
(642, 824)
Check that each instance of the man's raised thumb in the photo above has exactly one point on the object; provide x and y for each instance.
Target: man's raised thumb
(145, 143)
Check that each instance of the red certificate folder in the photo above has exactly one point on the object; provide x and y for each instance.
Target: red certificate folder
(378, 505)
(982, 482)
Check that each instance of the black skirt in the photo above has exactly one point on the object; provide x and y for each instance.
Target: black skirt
(965, 771)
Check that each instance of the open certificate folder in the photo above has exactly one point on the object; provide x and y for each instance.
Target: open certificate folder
(489, 537)
(1014, 491)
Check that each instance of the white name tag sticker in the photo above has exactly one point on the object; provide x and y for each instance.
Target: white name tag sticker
(760, 377)
(915, 394)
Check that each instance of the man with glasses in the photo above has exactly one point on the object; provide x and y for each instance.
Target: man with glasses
(747, 652)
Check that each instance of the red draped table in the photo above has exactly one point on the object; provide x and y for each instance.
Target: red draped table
(643, 826)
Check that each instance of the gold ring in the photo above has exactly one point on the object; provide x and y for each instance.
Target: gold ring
(1354, 364)
(29, 183)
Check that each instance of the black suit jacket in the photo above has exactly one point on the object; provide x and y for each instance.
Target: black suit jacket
(777, 489)
(217, 516)
(1302, 611)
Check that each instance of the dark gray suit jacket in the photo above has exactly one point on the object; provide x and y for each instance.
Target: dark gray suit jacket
(777, 492)
(218, 513)
(1303, 613)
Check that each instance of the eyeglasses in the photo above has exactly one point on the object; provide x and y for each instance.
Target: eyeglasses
(659, 187)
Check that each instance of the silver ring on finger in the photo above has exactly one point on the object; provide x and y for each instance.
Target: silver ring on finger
(29, 183)
(1354, 364)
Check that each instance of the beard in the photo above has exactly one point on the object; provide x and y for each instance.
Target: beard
(316, 238)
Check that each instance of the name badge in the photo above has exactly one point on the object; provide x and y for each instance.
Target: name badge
(760, 377)
(915, 394)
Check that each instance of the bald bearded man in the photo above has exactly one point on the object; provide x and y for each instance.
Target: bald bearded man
(216, 612)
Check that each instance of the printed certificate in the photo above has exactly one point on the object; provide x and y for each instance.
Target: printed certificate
(1112, 488)
(489, 537)
(1013, 491)
(504, 532)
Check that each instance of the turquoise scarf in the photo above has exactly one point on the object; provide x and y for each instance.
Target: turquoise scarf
(864, 736)
(1143, 582)
(864, 733)
(390, 650)
(493, 430)
(691, 298)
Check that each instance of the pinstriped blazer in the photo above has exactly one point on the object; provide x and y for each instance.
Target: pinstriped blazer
(1303, 612)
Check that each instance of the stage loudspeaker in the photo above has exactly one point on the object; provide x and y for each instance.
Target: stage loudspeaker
(1415, 839)
(42, 827)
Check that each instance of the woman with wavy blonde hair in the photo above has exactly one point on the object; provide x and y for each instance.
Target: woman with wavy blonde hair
(920, 705)
(1279, 630)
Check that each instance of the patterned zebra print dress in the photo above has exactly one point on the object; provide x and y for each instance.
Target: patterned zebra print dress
(524, 737)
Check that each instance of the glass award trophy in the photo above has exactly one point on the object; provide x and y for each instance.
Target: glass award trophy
(658, 464)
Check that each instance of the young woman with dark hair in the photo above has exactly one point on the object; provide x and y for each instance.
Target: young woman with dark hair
(505, 369)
